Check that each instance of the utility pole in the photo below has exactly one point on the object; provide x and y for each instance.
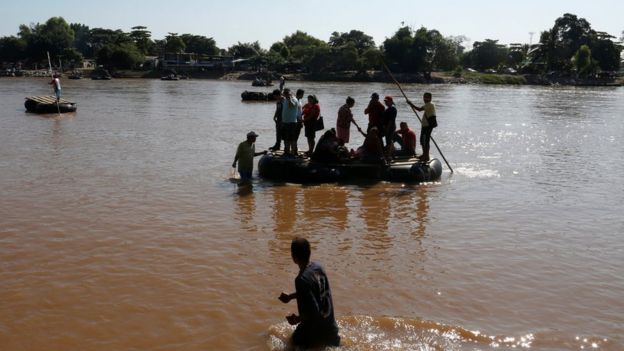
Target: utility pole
(531, 38)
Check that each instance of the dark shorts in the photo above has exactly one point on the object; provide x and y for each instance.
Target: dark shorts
(290, 131)
(425, 135)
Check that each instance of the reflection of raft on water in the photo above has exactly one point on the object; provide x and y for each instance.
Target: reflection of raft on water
(257, 96)
(47, 104)
(303, 170)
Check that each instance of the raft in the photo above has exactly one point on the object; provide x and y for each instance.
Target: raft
(257, 96)
(275, 166)
(47, 104)
(261, 83)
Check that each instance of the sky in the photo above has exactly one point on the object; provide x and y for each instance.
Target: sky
(269, 21)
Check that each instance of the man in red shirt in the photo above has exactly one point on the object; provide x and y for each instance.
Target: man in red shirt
(407, 141)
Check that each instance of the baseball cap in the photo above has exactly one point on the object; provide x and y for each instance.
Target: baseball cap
(252, 134)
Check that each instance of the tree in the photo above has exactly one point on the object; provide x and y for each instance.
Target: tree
(122, 56)
(345, 58)
(300, 38)
(12, 49)
(605, 52)
(174, 43)
(281, 49)
(358, 39)
(560, 44)
(54, 36)
(583, 62)
(72, 57)
(100, 37)
(274, 60)
(420, 51)
(82, 39)
(199, 44)
(316, 59)
(245, 50)
(397, 49)
(142, 38)
(300, 43)
(487, 54)
(371, 58)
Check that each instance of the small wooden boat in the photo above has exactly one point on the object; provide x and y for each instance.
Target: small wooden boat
(261, 83)
(75, 75)
(275, 166)
(101, 77)
(170, 77)
(257, 96)
(101, 74)
(47, 104)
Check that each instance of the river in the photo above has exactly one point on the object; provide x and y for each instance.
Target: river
(120, 230)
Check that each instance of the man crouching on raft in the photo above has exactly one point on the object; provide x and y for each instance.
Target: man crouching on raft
(316, 325)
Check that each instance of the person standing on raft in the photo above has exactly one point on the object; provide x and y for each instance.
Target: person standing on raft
(428, 122)
(56, 84)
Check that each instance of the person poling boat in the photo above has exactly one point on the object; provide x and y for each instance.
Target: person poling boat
(428, 122)
(56, 84)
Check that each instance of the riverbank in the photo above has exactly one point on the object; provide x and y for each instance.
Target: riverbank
(419, 78)
(371, 76)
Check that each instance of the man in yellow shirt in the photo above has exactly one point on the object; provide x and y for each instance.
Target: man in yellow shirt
(428, 122)
(244, 156)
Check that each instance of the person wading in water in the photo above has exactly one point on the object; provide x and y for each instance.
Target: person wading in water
(316, 325)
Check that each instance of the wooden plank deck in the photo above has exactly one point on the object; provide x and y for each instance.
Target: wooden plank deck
(48, 100)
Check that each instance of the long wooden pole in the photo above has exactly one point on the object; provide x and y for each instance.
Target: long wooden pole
(58, 109)
(416, 112)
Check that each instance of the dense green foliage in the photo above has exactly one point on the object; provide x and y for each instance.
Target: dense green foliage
(571, 48)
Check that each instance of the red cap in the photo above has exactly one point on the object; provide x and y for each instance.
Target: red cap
(388, 98)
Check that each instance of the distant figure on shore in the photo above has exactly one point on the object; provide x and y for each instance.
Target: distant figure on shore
(282, 82)
(56, 84)
(245, 153)
(316, 325)
(428, 122)
(344, 120)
